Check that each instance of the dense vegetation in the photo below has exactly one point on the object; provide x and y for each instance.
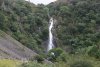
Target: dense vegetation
(78, 25)
(77, 30)
(25, 22)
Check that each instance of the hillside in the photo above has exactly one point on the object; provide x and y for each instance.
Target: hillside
(25, 22)
(74, 29)
(12, 49)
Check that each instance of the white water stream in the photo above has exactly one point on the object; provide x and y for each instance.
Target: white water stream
(50, 44)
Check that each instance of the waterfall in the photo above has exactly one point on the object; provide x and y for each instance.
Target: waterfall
(50, 44)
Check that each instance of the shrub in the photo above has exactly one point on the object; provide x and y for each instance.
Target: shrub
(39, 58)
(62, 57)
(56, 55)
(81, 64)
(95, 52)
(24, 65)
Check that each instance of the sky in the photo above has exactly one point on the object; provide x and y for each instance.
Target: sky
(41, 1)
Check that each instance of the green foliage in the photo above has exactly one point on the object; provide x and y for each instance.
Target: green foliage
(56, 55)
(77, 23)
(64, 11)
(95, 52)
(26, 22)
(77, 27)
(30, 65)
(62, 57)
(39, 58)
(81, 64)
(35, 64)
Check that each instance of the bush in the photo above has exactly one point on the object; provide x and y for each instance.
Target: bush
(62, 57)
(81, 64)
(39, 58)
(56, 55)
(95, 52)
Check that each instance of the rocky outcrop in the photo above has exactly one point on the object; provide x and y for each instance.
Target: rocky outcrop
(12, 49)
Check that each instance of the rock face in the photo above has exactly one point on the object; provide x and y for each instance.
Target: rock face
(12, 49)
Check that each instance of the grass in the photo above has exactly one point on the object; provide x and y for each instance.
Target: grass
(74, 58)
(70, 60)
(9, 63)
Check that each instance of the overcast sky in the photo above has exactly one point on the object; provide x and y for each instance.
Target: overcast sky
(41, 1)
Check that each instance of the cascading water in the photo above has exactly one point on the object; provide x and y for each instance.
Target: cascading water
(50, 44)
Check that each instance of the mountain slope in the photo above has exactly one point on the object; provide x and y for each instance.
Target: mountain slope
(12, 49)
(25, 22)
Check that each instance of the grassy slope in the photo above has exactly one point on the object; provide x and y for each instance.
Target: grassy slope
(70, 60)
(9, 63)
